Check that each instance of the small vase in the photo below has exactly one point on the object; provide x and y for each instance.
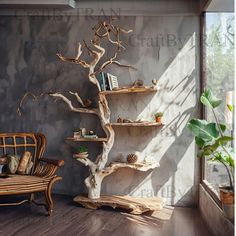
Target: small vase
(158, 119)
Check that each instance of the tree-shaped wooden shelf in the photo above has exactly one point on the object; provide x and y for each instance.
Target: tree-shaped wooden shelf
(105, 32)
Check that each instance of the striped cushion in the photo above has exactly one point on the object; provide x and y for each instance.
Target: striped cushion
(20, 184)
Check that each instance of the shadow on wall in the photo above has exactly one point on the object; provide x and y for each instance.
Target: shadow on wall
(177, 177)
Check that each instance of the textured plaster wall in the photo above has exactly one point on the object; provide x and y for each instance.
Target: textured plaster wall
(162, 47)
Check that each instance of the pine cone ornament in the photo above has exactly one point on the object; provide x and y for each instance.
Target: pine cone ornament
(132, 158)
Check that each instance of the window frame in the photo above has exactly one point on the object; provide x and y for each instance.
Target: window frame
(206, 185)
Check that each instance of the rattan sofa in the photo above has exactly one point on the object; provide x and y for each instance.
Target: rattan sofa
(42, 175)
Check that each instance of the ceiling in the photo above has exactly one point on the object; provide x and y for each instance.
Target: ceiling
(64, 4)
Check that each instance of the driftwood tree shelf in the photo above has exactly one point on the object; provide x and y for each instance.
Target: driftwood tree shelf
(103, 33)
(135, 205)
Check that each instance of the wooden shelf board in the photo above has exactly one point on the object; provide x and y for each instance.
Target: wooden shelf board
(130, 90)
(143, 124)
(140, 166)
(87, 139)
(135, 205)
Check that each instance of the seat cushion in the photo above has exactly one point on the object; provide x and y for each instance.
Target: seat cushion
(20, 184)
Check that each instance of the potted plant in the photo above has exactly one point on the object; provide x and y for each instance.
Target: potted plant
(82, 152)
(214, 144)
(158, 116)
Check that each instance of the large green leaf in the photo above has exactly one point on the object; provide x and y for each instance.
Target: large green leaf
(222, 158)
(222, 127)
(224, 140)
(203, 130)
(209, 99)
(200, 142)
(210, 149)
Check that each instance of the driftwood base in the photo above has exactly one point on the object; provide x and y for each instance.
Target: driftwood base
(135, 205)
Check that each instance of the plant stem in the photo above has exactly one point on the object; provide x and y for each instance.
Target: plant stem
(229, 174)
(217, 122)
(221, 134)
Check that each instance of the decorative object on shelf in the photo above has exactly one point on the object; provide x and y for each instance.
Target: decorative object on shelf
(77, 134)
(83, 132)
(82, 152)
(113, 81)
(154, 82)
(214, 144)
(101, 79)
(127, 121)
(107, 81)
(132, 158)
(119, 120)
(137, 83)
(158, 116)
(87, 103)
(90, 136)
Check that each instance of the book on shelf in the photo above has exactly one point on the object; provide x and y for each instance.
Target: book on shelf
(101, 80)
(107, 85)
(107, 81)
(113, 81)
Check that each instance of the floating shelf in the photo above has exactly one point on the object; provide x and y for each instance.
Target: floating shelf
(130, 90)
(144, 124)
(87, 139)
(135, 205)
(140, 166)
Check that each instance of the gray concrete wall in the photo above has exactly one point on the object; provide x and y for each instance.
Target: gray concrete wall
(162, 47)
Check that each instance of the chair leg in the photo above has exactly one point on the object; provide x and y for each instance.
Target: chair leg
(48, 195)
(31, 197)
(49, 201)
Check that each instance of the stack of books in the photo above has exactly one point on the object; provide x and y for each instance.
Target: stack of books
(107, 81)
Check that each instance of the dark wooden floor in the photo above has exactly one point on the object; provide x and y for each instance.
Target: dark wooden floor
(71, 219)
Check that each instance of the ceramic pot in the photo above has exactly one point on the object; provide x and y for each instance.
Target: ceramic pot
(227, 201)
(158, 119)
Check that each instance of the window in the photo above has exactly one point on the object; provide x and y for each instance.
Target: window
(218, 64)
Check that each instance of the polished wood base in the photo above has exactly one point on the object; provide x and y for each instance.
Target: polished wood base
(135, 205)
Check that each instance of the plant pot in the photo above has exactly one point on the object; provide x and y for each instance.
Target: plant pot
(81, 155)
(227, 201)
(158, 119)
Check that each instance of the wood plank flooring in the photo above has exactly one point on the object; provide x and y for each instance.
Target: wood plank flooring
(72, 220)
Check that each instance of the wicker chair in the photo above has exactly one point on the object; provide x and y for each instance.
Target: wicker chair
(42, 176)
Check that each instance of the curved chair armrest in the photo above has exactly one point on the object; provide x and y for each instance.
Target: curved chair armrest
(54, 162)
(47, 168)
